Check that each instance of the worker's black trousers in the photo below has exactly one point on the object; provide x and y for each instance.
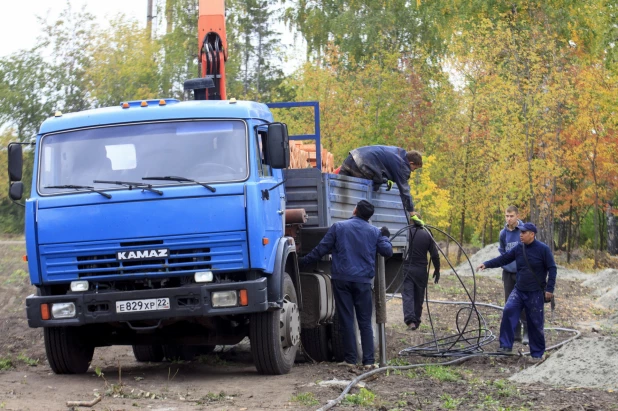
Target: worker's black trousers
(350, 298)
(414, 285)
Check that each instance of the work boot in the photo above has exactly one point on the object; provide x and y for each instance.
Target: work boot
(414, 325)
(525, 340)
(505, 350)
(346, 364)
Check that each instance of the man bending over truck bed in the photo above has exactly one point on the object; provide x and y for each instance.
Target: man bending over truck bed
(384, 164)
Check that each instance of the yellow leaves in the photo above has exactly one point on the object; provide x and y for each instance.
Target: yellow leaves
(433, 202)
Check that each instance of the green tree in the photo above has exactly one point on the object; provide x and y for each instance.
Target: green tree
(25, 95)
(65, 43)
(125, 65)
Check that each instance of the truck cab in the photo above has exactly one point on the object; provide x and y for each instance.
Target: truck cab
(160, 224)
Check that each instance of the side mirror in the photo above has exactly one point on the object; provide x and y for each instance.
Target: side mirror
(16, 191)
(16, 161)
(278, 146)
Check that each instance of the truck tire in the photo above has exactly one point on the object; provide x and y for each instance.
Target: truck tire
(66, 351)
(316, 344)
(275, 335)
(148, 353)
(337, 344)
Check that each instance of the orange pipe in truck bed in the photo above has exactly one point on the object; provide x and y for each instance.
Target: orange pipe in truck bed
(212, 43)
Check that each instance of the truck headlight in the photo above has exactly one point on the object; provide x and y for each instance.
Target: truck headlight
(224, 298)
(77, 286)
(63, 310)
(203, 277)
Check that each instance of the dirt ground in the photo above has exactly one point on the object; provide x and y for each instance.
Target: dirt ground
(227, 379)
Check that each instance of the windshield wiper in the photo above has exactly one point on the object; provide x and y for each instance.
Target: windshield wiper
(140, 186)
(82, 188)
(177, 178)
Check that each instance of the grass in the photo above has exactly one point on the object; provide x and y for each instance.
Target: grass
(5, 364)
(33, 362)
(364, 398)
(306, 398)
(397, 362)
(212, 359)
(212, 397)
(18, 276)
(449, 402)
(505, 389)
(441, 373)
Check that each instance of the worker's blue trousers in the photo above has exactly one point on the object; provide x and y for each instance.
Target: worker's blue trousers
(532, 301)
(351, 297)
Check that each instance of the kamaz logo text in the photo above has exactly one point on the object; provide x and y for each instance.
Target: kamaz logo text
(142, 254)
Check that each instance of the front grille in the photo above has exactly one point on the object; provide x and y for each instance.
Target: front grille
(186, 256)
(179, 261)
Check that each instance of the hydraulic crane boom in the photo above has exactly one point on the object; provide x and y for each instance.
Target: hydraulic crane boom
(212, 46)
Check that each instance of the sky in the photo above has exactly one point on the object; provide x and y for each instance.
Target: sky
(18, 22)
(19, 27)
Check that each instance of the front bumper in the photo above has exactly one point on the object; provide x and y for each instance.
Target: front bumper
(191, 301)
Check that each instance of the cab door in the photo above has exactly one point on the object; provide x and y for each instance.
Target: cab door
(272, 193)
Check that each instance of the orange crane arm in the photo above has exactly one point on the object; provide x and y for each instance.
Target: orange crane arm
(212, 45)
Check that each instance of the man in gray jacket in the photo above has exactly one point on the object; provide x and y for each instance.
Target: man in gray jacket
(509, 238)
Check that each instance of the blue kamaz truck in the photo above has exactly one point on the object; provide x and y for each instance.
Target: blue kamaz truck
(162, 224)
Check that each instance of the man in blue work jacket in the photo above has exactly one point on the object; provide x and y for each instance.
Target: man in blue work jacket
(532, 289)
(353, 244)
(384, 164)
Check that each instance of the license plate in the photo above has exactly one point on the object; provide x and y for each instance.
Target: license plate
(151, 304)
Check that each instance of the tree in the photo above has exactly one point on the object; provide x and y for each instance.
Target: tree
(125, 66)
(25, 95)
(66, 42)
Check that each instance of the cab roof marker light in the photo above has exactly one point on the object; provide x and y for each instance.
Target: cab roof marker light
(58, 113)
(151, 102)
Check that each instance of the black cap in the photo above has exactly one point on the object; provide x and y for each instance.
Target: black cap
(364, 209)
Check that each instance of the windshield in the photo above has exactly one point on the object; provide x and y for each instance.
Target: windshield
(205, 151)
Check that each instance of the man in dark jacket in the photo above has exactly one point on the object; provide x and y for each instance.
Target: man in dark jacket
(353, 244)
(532, 288)
(415, 272)
(509, 238)
(384, 164)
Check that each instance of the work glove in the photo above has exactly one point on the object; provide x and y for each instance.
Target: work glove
(384, 231)
(436, 276)
(389, 185)
(417, 221)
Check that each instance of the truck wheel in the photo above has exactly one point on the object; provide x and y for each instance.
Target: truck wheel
(66, 351)
(275, 335)
(148, 353)
(315, 343)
